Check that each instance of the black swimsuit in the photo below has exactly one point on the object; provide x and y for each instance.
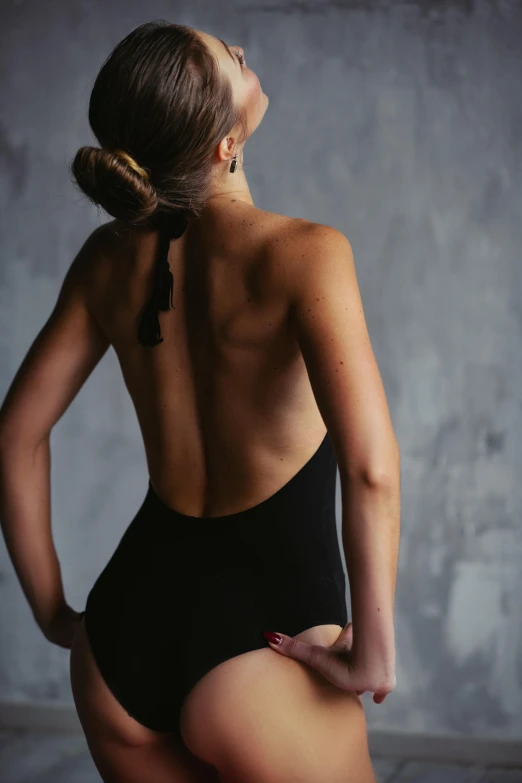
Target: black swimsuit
(182, 594)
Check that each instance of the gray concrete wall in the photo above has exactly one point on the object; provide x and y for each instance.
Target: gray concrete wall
(400, 124)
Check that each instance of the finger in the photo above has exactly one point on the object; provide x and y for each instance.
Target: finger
(277, 641)
(287, 645)
(345, 638)
(349, 633)
(314, 655)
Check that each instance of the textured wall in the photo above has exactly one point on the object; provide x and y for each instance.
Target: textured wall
(400, 124)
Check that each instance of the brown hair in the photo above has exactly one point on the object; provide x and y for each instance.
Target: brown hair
(161, 99)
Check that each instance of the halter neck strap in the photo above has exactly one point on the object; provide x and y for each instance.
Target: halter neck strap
(149, 332)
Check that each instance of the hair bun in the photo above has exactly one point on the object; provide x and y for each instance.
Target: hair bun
(132, 163)
(115, 181)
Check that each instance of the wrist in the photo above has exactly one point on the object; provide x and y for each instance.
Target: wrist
(46, 615)
(374, 649)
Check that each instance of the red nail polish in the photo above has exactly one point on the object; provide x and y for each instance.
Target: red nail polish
(274, 638)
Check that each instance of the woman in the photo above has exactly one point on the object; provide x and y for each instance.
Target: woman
(242, 342)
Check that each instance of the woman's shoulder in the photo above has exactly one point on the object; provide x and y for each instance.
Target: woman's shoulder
(299, 229)
(114, 241)
(295, 244)
(105, 251)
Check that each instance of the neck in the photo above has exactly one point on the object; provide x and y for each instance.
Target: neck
(231, 186)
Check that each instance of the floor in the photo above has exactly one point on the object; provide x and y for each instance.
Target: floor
(37, 757)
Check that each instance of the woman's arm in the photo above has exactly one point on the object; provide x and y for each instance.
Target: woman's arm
(328, 318)
(58, 363)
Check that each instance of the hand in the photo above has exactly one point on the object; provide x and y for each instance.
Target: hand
(61, 629)
(337, 665)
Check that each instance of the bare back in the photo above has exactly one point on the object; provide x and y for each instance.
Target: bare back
(224, 403)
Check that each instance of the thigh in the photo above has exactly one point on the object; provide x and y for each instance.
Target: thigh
(123, 750)
(263, 718)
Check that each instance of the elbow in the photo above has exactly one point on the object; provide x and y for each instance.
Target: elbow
(385, 479)
(16, 439)
(379, 474)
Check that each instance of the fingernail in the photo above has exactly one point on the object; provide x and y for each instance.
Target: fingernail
(273, 638)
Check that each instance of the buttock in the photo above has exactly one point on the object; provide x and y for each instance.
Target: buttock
(261, 697)
(182, 596)
(216, 693)
(156, 659)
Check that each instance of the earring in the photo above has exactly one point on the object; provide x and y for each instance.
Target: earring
(233, 165)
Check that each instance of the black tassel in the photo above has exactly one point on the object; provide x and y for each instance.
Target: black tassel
(149, 332)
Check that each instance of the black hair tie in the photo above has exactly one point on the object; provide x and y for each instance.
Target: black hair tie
(149, 332)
